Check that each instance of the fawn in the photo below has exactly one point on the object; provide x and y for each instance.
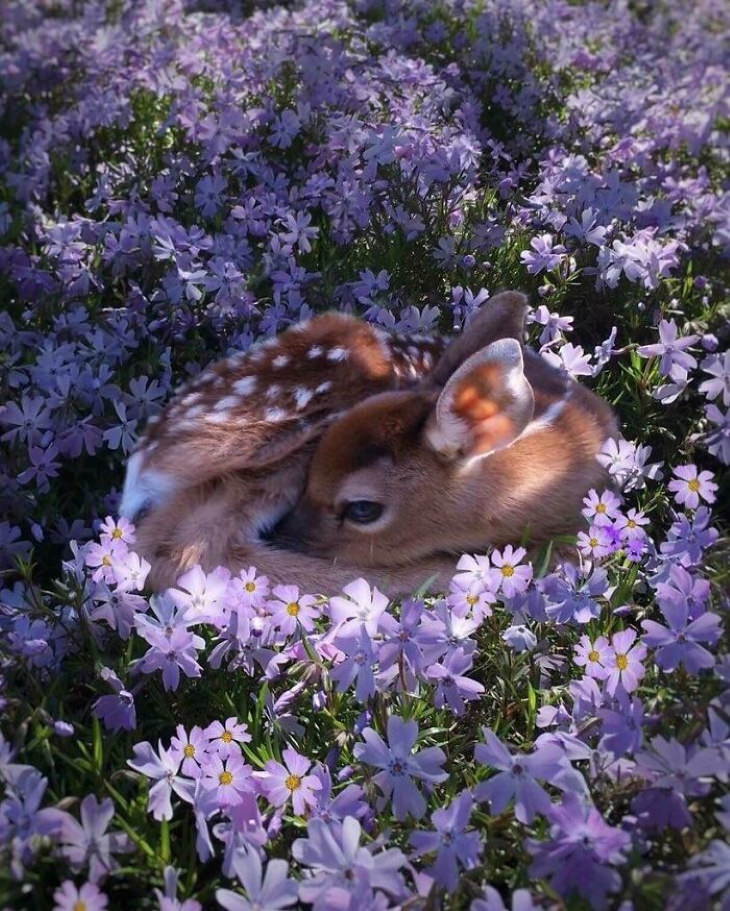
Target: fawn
(492, 446)
(229, 453)
(334, 451)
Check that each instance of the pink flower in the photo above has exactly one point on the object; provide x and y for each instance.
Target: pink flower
(593, 656)
(596, 543)
(84, 898)
(690, 486)
(624, 663)
(601, 508)
(283, 782)
(290, 609)
(226, 780)
(225, 737)
(509, 575)
(189, 749)
(362, 605)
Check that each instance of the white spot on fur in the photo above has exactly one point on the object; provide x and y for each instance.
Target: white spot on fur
(315, 351)
(274, 415)
(323, 387)
(194, 412)
(337, 354)
(191, 398)
(302, 396)
(218, 417)
(273, 391)
(230, 401)
(245, 385)
(281, 360)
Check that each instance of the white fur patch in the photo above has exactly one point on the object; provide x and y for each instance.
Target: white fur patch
(274, 415)
(273, 391)
(230, 401)
(143, 488)
(337, 354)
(245, 385)
(315, 351)
(302, 396)
(218, 417)
(323, 387)
(281, 360)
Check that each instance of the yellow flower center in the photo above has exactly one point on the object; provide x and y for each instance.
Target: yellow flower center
(79, 906)
(189, 751)
(292, 608)
(622, 662)
(601, 507)
(694, 485)
(250, 587)
(593, 655)
(471, 600)
(117, 533)
(293, 782)
(225, 777)
(226, 737)
(593, 542)
(508, 571)
(631, 524)
(106, 561)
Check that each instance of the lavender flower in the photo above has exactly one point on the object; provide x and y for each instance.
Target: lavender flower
(581, 851)
(400, 765)
(87, 897)
(271, 889)
(282, 783)
(454, 846)
(87, 843)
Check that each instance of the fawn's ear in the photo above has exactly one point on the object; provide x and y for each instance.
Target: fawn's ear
(503, 316)
(485, 405)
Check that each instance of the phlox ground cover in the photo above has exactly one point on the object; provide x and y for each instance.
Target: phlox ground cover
(182, 179)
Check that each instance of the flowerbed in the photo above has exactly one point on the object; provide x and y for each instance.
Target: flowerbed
(183, 179)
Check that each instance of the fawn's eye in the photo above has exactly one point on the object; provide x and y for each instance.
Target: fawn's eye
(362, 511)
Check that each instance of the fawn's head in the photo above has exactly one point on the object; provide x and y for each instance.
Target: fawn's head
(493, 442)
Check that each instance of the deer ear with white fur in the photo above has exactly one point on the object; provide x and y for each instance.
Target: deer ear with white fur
(485, 405)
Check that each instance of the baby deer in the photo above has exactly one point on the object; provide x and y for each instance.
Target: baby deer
(228, 456)
(494, 445)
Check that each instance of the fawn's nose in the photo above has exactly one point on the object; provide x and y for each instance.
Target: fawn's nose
(294, 531)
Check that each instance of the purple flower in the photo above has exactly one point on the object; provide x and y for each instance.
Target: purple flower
(338, 864)
(269, 890)
(162, 768)
(546, 256)
(358, 664)
(688, 538)
(87, 843)
(675, 773)
(580, 852)
(117, 712)
(517, 775)
(670, 348)
(453, 688)
(281, 783)
(719, 369)
(690, 485)
(86, 897)
(171, 654)
(681, 588)
(601, 509)
(400, 765)
(679, 641)
(622, 732)
(453, 845)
